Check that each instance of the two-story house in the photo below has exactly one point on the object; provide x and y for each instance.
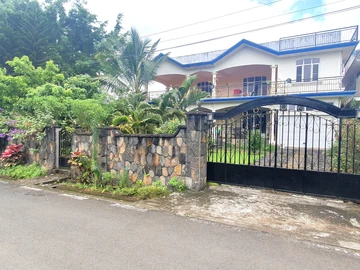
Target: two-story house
(315, 65)
(309, 65)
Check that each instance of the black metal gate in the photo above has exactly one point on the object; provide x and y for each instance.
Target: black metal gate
(64, 147)
(288, 148)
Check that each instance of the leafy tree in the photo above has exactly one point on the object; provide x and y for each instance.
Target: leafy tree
(25, 30)
(48, 32)
(82, 32)
(34, 91)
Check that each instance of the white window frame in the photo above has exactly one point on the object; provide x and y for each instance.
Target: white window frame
(311, 62)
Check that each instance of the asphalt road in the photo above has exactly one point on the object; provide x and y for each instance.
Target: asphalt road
(48, 230)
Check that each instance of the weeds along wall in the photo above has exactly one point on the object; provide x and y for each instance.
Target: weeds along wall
(153, 157)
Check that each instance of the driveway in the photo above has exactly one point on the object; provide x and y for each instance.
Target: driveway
(321, 220)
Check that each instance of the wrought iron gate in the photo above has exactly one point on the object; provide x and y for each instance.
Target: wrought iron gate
(64, 148)
(289, 148)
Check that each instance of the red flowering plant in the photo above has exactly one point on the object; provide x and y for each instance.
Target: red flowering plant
(13, 155)
(82, 162)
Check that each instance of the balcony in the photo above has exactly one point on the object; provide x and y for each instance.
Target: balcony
(288, 87)
(323, 38)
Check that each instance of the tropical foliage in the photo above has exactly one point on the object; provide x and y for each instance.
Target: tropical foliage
(13, 155)
(129, 62)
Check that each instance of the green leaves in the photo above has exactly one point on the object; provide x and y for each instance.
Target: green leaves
(130, 67)
(89, 111)
(45, 31)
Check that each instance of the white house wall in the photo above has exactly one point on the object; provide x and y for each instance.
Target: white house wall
(292, 132)
(330, 63)
(168, 67)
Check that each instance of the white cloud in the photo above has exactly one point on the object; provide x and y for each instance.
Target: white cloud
(159, 15)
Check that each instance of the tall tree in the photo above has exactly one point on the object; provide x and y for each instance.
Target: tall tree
(48, 32)
(82, 31)
(131, 67)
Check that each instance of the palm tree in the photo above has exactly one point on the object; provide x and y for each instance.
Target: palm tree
(134, 115)
(132, 67)
(179, 99)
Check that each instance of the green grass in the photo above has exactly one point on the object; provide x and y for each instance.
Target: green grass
(23, 171)
(232, 156)
(138, 189)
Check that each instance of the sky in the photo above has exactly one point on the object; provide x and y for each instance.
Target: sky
(150, 17)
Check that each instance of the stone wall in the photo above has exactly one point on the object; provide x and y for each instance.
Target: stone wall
(145, 157)
(42, 152)
(82, 141)
(153, 157)
(148, 158)
(197, 127)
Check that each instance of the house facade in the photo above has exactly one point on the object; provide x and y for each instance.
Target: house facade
(310, 65)
(317, 65)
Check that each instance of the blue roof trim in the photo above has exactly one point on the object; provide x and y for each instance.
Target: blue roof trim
(308, 95)
(260, 47)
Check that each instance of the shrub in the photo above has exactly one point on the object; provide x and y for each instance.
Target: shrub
(169, 127)
(22, 172)
(83, 162)
(176, 184)
(87, 111)
(13, 155)
(349, 150)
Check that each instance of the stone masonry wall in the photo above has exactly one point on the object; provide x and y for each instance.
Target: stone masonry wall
(153, 157)
(196, 162)
(148, 158)
(42, 152)
(82, 141)
(145, 157)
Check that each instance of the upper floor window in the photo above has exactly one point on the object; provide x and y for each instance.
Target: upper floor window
(307, 69)
(255, 86)
(205, 86)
